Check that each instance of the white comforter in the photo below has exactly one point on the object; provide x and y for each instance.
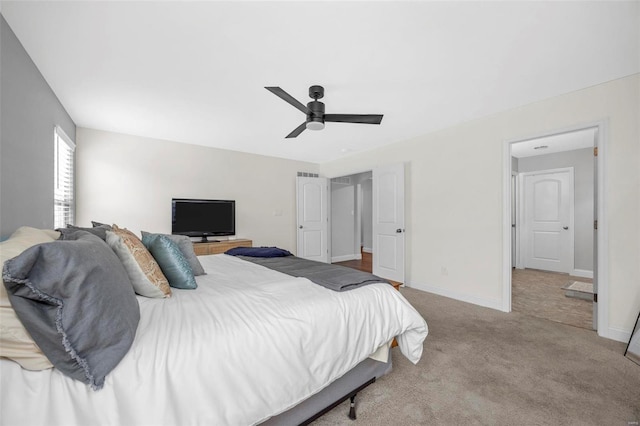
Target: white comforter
(249, 343)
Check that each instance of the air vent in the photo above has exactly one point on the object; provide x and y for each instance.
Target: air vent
(346, 180)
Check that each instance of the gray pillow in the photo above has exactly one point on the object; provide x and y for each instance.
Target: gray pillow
(76, 300)
(68, 233)
(97, 224)
(184, 244)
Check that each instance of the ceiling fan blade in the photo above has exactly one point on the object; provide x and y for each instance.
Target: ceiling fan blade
(297, 130)
(354, 118)
(289, 99)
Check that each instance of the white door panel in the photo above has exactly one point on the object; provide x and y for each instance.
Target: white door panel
(312, 243)
(312, 214)
(388, 222)
(548, 224)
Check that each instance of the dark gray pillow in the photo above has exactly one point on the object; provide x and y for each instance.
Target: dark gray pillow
(184, 244)
(68, 232)
(97, 224)
(75, 299)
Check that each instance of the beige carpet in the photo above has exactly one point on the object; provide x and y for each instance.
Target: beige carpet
(484, 367)
(542, 294)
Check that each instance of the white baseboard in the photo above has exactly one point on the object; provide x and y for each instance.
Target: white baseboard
(582, 273)
(487, 303)
(346, 257)
(617, 334)
(367, 249)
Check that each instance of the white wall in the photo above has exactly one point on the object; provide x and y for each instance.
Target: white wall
(130, 181)
(454, 192)
(583, 166)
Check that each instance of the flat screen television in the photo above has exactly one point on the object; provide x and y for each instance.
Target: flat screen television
(203, 218)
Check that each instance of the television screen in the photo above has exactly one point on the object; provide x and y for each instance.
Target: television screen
(202, 218)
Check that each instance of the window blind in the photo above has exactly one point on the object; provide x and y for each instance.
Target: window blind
(64, 203)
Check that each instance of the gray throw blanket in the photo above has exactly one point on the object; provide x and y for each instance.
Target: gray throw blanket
(333, 277)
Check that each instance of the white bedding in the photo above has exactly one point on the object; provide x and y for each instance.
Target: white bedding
(249, 343)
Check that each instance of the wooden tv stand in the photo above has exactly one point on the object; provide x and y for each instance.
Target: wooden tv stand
(218, 247)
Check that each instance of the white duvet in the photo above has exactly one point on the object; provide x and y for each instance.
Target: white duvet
(249, 343)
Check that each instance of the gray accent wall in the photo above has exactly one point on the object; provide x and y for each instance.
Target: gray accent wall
(582, 161)
(29, 112)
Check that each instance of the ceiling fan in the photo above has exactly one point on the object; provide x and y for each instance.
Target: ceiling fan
(315, 111)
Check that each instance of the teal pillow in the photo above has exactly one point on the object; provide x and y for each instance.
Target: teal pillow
(184, 244)
(172, 262)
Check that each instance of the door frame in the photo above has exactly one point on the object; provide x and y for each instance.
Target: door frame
(601, 246)
(514, 188)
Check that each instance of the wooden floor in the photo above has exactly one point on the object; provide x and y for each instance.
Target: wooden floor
(540, 294)
(364, 264)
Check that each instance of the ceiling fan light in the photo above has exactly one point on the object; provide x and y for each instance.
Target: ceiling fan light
(315, 125)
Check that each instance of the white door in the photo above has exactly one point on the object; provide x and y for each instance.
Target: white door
(548, 220)
(388, 222)
(312, 211)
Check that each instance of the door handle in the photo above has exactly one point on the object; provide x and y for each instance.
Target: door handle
(300, 226)
(565, 227)
(399, 231)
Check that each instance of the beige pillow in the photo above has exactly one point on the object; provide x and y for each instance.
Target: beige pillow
(15, 341)
(144, 272)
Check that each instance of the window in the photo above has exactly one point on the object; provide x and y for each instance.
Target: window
(63, 197)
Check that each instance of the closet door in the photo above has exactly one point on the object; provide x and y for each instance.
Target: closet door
(312, 218)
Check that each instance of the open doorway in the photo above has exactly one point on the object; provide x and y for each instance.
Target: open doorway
(553, 201)
(348, 220)
(351, 221)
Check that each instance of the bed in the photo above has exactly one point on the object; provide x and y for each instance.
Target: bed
(250, 345)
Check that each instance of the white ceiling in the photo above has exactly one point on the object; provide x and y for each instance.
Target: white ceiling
(555, 143)
(195, 72)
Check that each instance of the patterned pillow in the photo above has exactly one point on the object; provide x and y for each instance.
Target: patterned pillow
(185, 245)
(144, 272)
(172, 262)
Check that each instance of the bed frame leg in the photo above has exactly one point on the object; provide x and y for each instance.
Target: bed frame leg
(352, 408)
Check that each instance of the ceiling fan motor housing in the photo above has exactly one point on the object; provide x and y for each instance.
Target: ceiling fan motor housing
(316, 92)
(315, 120)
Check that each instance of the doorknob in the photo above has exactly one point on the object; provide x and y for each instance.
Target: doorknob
(300, 227)
(565, 227)
(399, 231)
